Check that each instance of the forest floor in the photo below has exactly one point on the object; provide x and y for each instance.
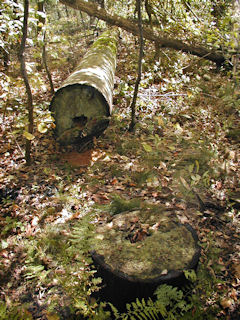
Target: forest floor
(184, 156)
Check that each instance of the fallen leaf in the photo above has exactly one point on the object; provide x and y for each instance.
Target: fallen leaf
(100, 198)
(4, 244)
(4, 253)
(183, 219)
(185, 184)
(34, 222)
(234, 294)
(28, 135)
(114, 181)
(226, 303)
(42, 128)
(147, 147)
(75, 215)
(139, 235)
(164, 272)
(181, 206)
(236, 268)
(160, 121)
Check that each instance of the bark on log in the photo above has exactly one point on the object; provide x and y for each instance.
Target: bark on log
(139, 250)
(165, 42)
(82, 106)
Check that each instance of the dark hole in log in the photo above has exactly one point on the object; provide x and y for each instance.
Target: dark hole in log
(80, 122)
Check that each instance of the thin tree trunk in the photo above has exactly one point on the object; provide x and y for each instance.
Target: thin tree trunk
(83, 24)
(236, 56)
(41, 17)
(59, 14)
(5, 54)
(66, 9)
(94, 10)
(133, 104)
(44, 58)
(26, 82)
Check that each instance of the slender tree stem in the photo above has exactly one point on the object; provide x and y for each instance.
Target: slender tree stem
(140, 57)
(26, 82)
(44, 59)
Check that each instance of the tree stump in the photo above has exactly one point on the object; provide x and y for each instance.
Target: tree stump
(137, 251)
(82, 105)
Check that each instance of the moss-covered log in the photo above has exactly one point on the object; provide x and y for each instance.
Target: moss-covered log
(139, 250)
(82, 106)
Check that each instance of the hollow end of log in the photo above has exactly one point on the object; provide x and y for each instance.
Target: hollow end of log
(80, 112)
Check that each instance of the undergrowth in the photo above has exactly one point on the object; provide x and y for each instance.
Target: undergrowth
(169, 304)
(59, 259)
(119, 205)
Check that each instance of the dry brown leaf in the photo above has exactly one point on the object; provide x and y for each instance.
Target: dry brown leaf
(114, 181)
(236, 268)
(155, 194)
(234, 294)
(4, 253)
(101, 198)
(181, 206)
(226, 303)
(75, 215)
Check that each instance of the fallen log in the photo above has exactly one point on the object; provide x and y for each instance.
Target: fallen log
(82, 105)
(139, 250)
(165, 42)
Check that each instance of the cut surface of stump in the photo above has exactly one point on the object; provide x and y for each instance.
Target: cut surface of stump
(82, 105)
(139, 250)
(144, 247)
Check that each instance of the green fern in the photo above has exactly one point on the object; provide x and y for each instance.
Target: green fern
(15, 312)
(190, 275)
(169, 305)
(3, 311)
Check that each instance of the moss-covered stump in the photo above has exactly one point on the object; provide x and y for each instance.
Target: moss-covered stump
(82, 105)
(139, 250)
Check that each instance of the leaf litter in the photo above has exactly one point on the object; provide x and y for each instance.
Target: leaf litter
(183, 146)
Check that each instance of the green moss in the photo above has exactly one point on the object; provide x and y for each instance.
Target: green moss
(119, 204)
(106, 40)
(163, 245)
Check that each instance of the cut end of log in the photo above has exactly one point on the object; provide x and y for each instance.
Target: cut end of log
(80, 111)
